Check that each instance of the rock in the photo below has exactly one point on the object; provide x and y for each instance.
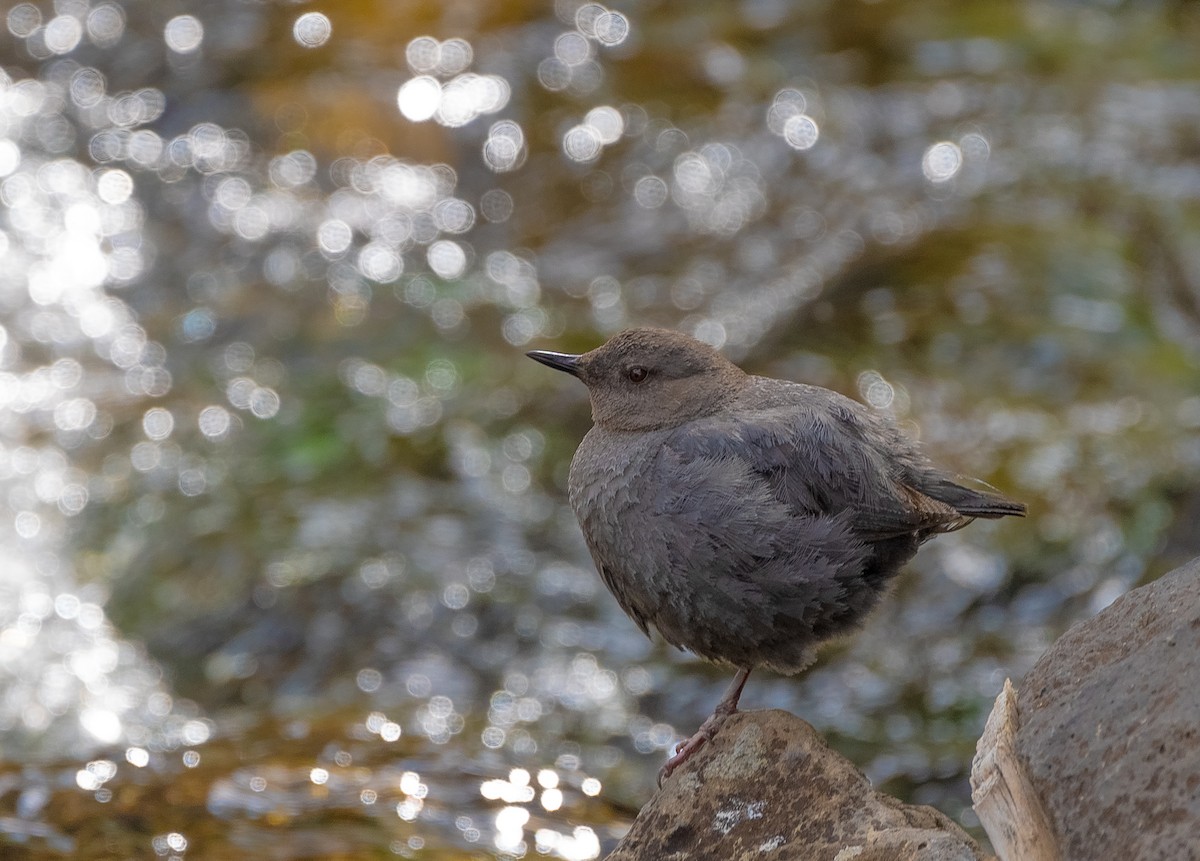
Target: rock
(1109, 726)
(769, 788)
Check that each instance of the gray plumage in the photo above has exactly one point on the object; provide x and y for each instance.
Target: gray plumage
(747, 519)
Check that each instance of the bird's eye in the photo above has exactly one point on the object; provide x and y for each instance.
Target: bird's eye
(637, 373)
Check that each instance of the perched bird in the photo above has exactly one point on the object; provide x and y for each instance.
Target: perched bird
(747, 519)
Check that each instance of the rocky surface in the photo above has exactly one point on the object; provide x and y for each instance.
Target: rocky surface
(1109, 726)
(769, 788)
(1105, 730)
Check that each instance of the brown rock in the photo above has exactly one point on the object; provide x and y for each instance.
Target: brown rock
(768, 788)
(1110, 726)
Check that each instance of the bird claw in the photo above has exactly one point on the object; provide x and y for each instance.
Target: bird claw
(687, 748)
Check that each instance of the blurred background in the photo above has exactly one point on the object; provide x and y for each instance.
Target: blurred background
(288, 570)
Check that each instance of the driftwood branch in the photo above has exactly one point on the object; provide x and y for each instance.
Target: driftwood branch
(1005, 800)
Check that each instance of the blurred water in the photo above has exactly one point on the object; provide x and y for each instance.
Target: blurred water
(288, 568)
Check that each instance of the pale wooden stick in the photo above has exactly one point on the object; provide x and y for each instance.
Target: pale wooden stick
(1005, 800)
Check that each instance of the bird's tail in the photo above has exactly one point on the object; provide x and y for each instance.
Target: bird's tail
(970, 496)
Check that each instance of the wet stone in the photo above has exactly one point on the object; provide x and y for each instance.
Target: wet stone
(769, 788)
(1108, 726)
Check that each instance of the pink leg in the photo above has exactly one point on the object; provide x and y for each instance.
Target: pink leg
(708, 729)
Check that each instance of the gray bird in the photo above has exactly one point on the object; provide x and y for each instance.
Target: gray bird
(747, 519)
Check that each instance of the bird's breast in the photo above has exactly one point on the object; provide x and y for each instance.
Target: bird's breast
(610, 479)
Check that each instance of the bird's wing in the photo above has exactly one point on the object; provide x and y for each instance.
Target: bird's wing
(728, 547)
(827, 457)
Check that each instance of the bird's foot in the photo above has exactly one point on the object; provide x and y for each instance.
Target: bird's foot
(688, 747)
(727, 706)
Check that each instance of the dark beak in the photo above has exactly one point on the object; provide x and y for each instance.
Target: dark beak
(559, 361)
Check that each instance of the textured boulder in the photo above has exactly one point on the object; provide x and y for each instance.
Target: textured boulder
(1109, 726)
(769, 788)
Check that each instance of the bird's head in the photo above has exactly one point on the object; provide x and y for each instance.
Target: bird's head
(648, 379)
